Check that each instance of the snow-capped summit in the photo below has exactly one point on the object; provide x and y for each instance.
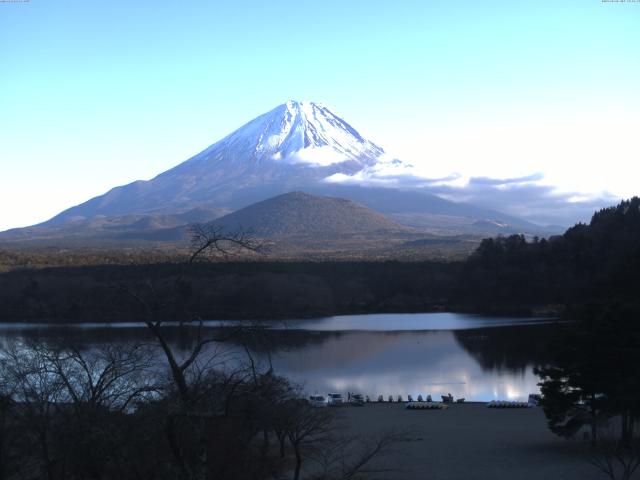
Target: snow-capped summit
(297, 132)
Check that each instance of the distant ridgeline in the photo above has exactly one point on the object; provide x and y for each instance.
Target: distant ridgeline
(597, 263)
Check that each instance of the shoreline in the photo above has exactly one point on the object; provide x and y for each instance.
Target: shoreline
(270, 322)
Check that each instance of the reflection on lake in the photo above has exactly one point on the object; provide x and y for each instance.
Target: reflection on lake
(414, 354)
(390, 322)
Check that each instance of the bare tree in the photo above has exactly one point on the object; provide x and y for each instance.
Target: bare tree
(38, 395)
(352, 457)
(305, 426)
(67, 403)
(615, 458)
(317, 434)
(191, 376)
(107, 376)
(208, 240)
(8, 433)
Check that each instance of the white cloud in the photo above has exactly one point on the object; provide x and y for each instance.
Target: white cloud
(316, 156)
(528, 196)
(578, 150)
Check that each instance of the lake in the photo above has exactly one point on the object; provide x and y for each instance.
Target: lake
(472, 356)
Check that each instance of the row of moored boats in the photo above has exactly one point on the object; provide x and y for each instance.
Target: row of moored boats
(357, 399)
(420, 403)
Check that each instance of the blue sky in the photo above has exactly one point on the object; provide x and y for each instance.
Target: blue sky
(97, 94)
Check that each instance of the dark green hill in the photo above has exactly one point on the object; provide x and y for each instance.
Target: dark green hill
(298, 213)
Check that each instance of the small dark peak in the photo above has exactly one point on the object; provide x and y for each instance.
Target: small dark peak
(300, 213)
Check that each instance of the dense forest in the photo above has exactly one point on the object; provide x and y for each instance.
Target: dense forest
(216, 290)
(594, 263)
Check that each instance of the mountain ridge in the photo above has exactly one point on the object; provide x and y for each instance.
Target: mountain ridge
(294, 145)
(297, 146)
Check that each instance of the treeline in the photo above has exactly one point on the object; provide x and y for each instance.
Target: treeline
(591, 382)
(594, 263)
(13, 259)
(219, 290)
(599, 262)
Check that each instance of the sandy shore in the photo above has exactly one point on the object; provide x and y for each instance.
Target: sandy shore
(471, 441)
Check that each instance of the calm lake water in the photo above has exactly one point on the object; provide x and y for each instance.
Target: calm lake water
(471, 356)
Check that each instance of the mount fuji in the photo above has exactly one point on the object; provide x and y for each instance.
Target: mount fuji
(297, 146)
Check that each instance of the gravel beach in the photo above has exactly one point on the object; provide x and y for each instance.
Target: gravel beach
(471, 441)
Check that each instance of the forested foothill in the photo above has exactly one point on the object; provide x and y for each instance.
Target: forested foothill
(594, 263)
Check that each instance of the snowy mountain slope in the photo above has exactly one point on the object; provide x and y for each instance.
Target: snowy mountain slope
(298, 132)
(297, 146)
(292, 146)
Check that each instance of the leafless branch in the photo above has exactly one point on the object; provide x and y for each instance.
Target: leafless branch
(350, 458)
(616, 459)
(212, 239)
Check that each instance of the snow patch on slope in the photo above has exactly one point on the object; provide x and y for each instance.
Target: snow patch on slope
(302, 132)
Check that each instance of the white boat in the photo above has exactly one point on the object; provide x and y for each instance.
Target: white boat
(317, 401)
